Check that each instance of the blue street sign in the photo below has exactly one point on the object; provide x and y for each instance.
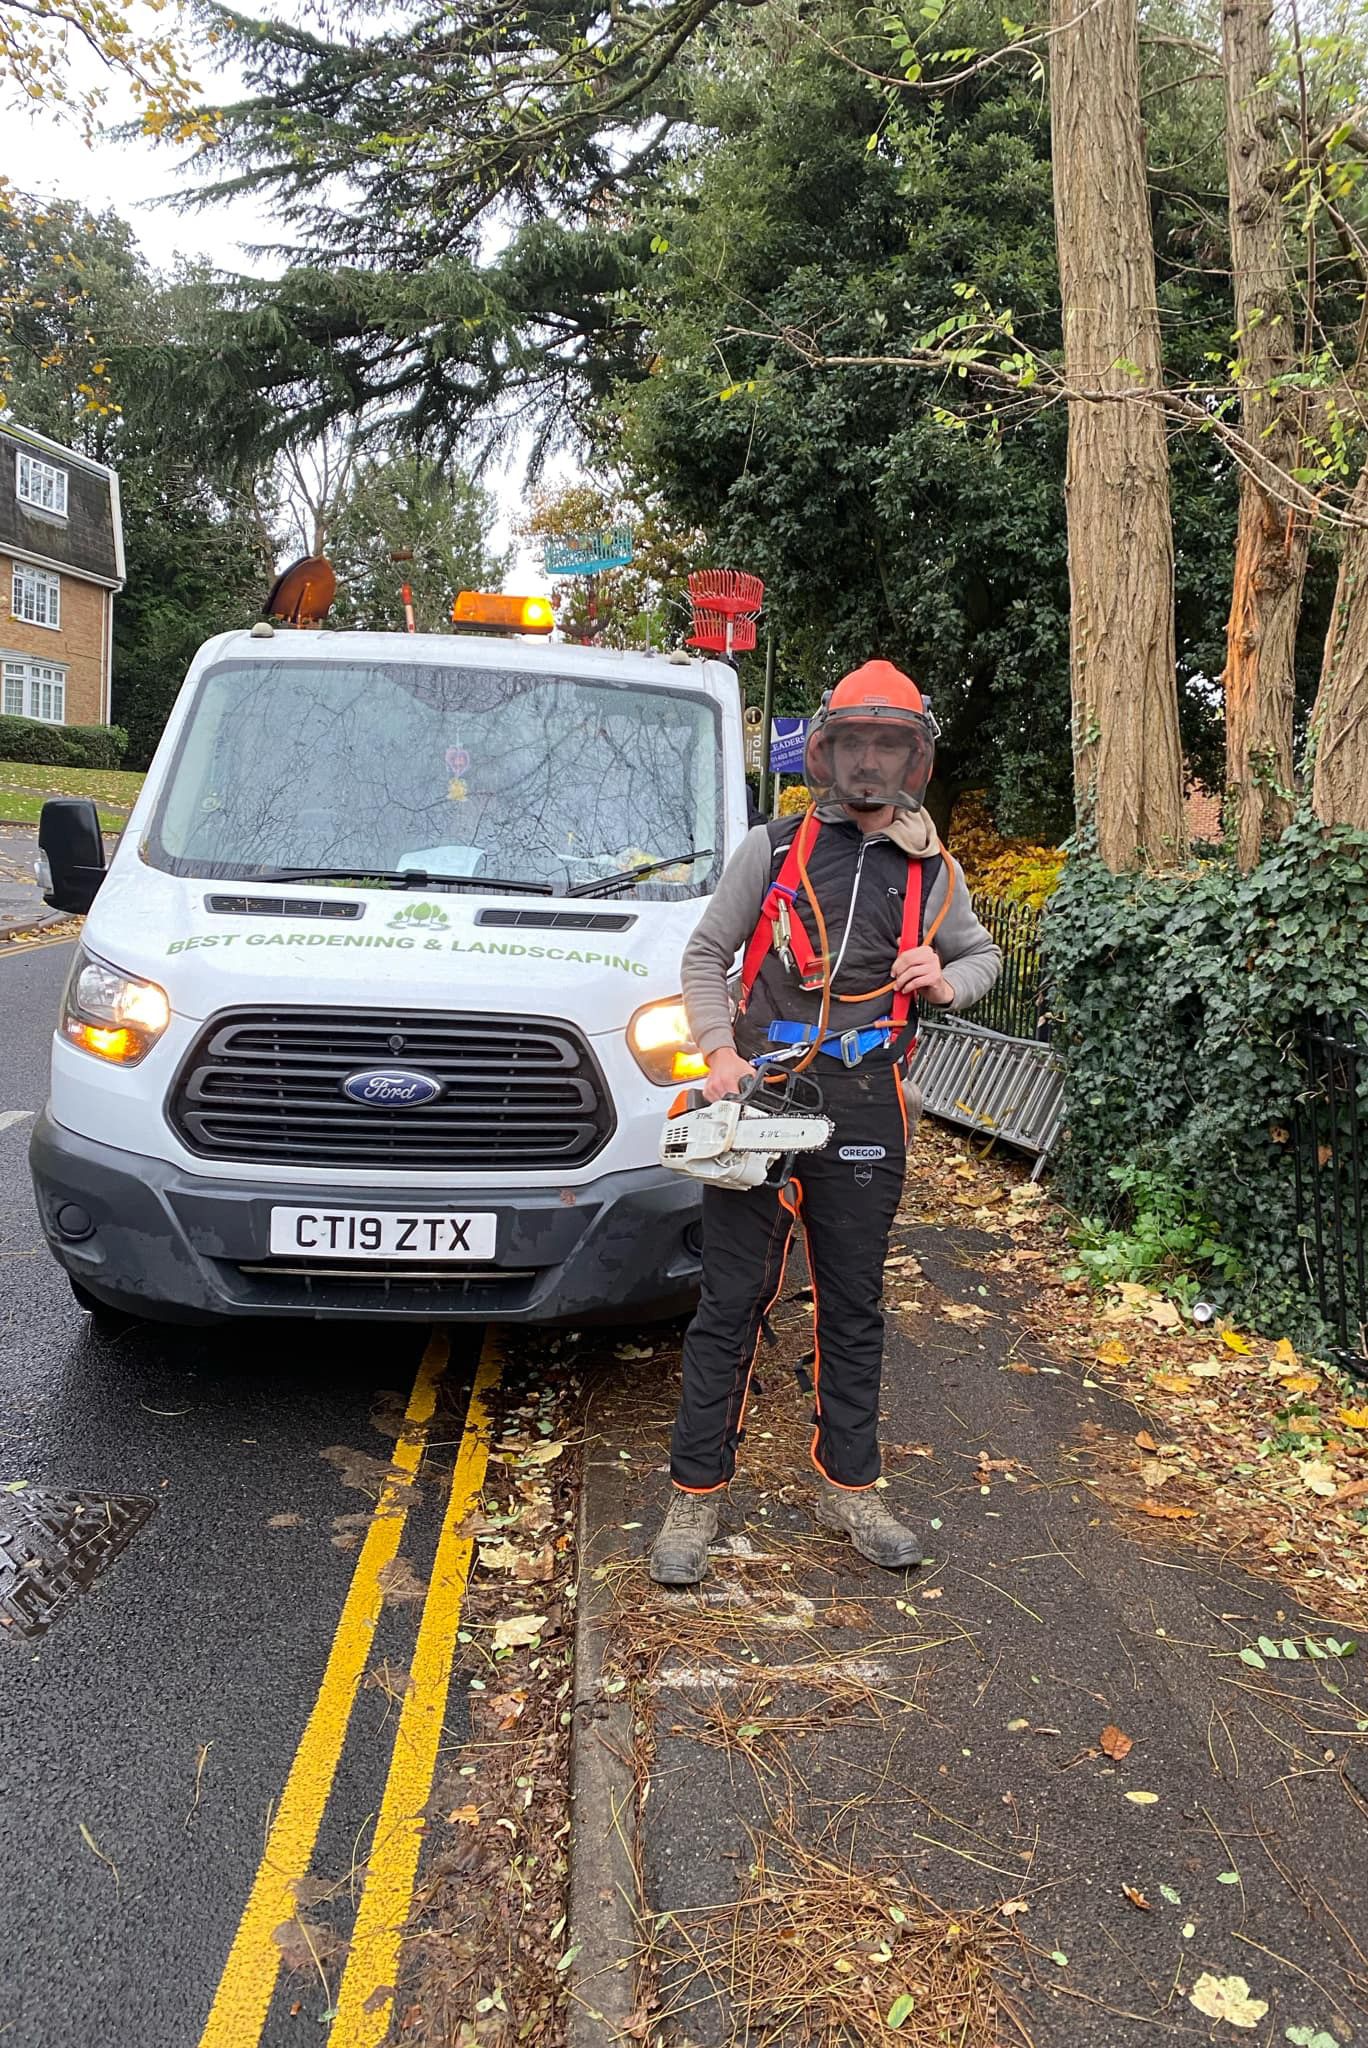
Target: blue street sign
(788, 737)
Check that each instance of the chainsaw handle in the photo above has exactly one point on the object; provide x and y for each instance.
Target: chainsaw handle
(799, 1091)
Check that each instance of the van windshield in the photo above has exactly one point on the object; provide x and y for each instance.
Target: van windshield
(373, 766)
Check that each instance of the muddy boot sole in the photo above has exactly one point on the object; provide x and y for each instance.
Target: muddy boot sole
(676, 1571)
(899, 1559)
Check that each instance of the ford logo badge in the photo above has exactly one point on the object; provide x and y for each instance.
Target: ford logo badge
(391, 1088)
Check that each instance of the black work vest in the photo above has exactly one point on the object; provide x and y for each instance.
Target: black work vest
(861, 883)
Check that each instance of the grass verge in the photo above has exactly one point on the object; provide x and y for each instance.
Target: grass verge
(26, 785)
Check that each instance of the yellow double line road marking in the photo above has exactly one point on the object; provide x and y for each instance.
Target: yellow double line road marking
(243, 1999)
(366, 1997)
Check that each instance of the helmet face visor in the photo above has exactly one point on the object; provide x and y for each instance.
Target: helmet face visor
(870, 761)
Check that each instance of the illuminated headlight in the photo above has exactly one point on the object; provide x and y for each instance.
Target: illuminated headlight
(662, 1045)
(113, 1015)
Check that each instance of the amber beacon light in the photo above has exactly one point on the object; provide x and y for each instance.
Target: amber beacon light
(504, 614)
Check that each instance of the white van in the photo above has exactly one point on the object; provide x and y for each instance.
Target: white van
(376, 1010)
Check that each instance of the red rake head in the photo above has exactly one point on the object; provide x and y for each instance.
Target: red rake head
(725, 604)
(711, 630)
(729, 591)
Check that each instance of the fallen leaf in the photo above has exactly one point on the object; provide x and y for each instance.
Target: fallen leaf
(1317, 1477)
(1172, 1383)
(1284, 1352)
(1233, 1341)
(1010, 1906)
(1137, 1899)
(1300, 1382)
(1133, 1292)
(468, 1816)
(1143, 1798)
(518, 1631)
(1164, 1315)
(1145, 1440)
(1113, 1352)
(537, 1566)
(1115, 1744)
(964, 1312)
(900, 2010)
(1227, 1998)
(1057, 1955)
(540, 1454)
(1156, 1473)
(1164, 1510)
(1253, 1659)
(1354, 1418)
(634, 1351)
(1360, 1486)
(500, 1557)
(1228, 1877)
(1207, 1369)
(1174, 1898)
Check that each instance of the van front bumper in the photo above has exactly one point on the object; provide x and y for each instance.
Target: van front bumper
(177, 1247)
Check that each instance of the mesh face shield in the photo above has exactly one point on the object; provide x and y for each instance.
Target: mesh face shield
(868, 759)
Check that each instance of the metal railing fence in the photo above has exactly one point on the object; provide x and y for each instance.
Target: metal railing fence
(1015, 1005)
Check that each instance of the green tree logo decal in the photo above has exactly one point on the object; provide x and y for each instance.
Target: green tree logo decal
(428, 917)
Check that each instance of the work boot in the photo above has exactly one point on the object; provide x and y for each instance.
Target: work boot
(679, 1555)
(876, 1533)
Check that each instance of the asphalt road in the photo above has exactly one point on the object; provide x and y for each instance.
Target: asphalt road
(151, 1729)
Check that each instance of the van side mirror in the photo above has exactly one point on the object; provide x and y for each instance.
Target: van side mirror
(72, 851)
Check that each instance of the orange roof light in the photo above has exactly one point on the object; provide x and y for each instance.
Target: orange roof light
(505, 614)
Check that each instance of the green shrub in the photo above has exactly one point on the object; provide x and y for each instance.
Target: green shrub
(96, 746)
(62, 746)
(1158, 1235)
(1178, 1001)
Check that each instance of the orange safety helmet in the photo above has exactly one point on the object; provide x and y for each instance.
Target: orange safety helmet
(882, 705)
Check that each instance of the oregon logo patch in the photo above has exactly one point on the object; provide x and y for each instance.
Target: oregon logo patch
(862, 1152)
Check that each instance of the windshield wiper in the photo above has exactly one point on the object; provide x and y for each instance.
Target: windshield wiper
(400, 878)
(603, 883)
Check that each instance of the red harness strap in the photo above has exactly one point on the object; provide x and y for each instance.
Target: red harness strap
(901, 1004)
(782, 895)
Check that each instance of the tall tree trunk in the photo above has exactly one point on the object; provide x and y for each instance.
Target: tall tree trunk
(1271, 544)
(1128, 766)
(1339, 721)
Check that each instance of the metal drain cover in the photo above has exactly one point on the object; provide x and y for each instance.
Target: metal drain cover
(53, 1546)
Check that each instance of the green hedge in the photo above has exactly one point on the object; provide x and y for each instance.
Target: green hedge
(62, 746)
(1177, 1001)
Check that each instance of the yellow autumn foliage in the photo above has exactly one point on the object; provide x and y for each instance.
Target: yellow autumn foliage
(1013, 870)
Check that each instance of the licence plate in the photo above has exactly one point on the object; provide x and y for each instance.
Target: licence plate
(431, 1234)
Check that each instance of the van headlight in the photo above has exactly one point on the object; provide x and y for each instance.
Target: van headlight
(662, 1044)
(115, 1016)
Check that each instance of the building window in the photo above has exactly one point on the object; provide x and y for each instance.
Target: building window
(33, 689)
(37, 596)
(41, 484)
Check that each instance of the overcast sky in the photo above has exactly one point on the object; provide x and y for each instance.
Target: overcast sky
(40, 152)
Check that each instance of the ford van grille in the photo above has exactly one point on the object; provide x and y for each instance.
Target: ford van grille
(267, 1085)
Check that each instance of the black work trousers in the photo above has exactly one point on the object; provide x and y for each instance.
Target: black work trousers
(844, 1198)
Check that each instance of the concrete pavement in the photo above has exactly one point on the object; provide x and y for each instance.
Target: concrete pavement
(842, 1771)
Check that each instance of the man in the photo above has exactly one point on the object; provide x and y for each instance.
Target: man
(850, 918)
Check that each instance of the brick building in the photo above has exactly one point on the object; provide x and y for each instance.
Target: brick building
(61, 562)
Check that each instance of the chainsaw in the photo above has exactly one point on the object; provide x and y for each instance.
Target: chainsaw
(736, 1142)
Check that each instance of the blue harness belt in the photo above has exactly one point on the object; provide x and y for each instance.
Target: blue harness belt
(849, 1047)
